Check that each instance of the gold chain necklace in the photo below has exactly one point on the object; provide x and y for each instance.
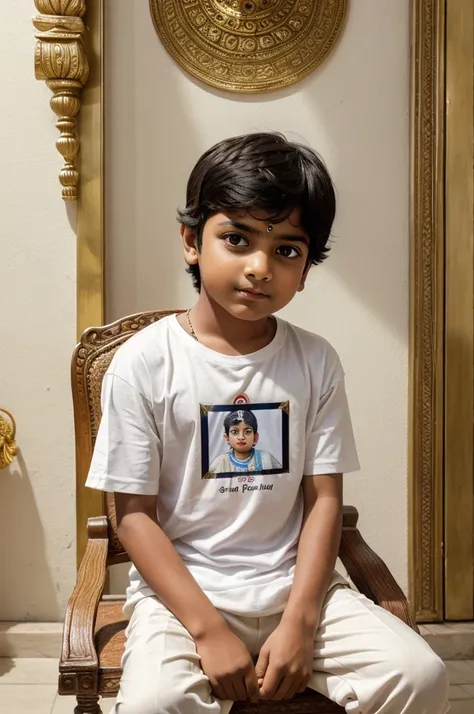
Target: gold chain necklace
(190, 325)
(191, 328)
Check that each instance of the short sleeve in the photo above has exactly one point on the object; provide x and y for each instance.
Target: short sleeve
(330, 446)
(127, 453)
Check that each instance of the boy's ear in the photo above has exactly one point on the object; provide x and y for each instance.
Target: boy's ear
(189, 244)
(303, 279)
(302, 282)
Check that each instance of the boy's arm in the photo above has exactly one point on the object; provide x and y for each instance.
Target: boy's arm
(317, 549)
(286, 659)
(157, 561)
(224, 658)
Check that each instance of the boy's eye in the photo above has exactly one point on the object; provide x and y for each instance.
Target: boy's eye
(289, 251)
(235, 240)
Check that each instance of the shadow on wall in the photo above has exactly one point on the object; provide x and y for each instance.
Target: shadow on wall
(25, 575)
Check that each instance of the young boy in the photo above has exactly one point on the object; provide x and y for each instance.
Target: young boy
(233, 593)
(241, 434)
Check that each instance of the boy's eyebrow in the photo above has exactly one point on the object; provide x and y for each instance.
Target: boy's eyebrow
(254, 231)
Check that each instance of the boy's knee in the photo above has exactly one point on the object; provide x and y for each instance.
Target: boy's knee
(420, 683)
(429, 685)
(151, 701)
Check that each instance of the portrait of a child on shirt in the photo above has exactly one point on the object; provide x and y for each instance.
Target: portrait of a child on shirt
(241, 435)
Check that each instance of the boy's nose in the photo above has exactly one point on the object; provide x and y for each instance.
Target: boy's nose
(258, 267)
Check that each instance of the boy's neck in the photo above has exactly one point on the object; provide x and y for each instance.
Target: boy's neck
(222, 332)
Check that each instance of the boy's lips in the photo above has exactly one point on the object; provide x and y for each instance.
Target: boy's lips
(252, 293)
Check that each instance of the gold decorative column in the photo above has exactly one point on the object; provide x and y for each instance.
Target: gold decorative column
(61, 60)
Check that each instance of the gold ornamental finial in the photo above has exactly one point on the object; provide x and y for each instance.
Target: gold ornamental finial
(8, 447)
(61, 60)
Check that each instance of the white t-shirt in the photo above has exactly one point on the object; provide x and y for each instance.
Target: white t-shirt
(223, 442)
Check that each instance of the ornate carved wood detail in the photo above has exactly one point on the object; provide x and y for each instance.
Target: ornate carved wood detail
(86, 705)
(427, 297)
(79, 660)
(109, 684)
(61, 60)
(78, 682)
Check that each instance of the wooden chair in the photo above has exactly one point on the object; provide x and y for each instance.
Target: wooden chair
(93, 639)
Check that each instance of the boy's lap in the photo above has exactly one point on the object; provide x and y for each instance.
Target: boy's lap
(355, 639)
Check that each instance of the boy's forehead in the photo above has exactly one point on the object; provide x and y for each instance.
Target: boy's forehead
(259, 218)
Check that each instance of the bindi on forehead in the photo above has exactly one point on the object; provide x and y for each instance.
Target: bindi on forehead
(278, 230)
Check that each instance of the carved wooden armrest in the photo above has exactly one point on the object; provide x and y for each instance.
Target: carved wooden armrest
(369, 573)
(79, 663)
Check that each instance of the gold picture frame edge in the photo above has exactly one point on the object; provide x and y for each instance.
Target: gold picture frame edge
(459, 323)
(90, 278)
(425, 358)
(426, 364)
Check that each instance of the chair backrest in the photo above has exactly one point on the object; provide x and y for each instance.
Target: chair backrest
(90, 362)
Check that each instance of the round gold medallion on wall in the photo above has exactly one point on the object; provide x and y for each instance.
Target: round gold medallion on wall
(249, 45)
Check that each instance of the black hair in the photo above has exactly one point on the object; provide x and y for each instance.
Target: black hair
(242, 415)
(262, 171)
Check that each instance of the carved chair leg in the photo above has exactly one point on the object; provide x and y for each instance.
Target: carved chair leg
(87, 705)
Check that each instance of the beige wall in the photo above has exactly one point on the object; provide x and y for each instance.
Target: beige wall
(354, 110)
(37, 333)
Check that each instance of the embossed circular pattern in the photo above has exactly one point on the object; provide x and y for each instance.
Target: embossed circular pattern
(249, 45)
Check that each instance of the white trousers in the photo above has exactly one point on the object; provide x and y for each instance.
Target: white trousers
(365, 659)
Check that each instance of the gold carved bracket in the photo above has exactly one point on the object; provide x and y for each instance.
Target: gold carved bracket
(8, 447)
(61, 60)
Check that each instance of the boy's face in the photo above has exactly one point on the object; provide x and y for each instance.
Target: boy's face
(241, 438)
(249, 271)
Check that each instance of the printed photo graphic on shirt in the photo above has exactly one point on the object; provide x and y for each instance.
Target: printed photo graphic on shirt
(244, 439)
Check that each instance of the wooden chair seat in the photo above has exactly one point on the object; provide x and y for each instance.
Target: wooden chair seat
(94, 628)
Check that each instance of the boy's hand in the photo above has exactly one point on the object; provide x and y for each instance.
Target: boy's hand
(228, 664)
(285, 663)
